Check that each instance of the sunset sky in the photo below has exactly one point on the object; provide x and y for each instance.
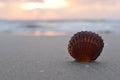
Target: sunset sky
(59, 9)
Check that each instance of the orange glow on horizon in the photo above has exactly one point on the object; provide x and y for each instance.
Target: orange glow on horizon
(49, 4)
(54, 3)
(47, 33)
(30, 5)
(1, 5)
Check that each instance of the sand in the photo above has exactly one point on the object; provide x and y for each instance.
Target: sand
(47, 58)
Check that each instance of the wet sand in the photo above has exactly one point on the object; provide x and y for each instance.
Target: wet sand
(47, 58)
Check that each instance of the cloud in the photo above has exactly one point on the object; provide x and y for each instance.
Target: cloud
(22, 0)
(37, 0)
(93, 1)
(94, 8)
(1, 5)
(76, 9)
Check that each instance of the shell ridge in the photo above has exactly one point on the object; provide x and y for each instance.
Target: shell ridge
(85, 46)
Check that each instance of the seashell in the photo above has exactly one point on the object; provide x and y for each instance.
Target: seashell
(85, 46)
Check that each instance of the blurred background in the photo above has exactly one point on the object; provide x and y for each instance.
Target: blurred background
(59, 17)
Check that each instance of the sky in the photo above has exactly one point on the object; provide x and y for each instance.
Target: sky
(59, 9)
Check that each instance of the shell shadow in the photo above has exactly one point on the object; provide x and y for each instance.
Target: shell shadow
(94, 64)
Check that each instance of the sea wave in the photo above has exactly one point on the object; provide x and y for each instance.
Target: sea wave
(60, 25)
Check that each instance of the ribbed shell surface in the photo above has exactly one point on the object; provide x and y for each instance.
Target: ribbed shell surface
(85, 46)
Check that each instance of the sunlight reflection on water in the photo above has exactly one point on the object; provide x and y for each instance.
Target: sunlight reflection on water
(47, 33)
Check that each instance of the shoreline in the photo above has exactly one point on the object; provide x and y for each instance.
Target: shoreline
(47, 58)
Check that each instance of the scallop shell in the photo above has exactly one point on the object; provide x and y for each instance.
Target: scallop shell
(85, 46)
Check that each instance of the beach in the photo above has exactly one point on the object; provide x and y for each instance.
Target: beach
(25, 57)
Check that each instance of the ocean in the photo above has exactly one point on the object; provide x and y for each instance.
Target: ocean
(66, 26)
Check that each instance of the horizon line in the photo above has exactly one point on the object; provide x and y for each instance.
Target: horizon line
(74, 19)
